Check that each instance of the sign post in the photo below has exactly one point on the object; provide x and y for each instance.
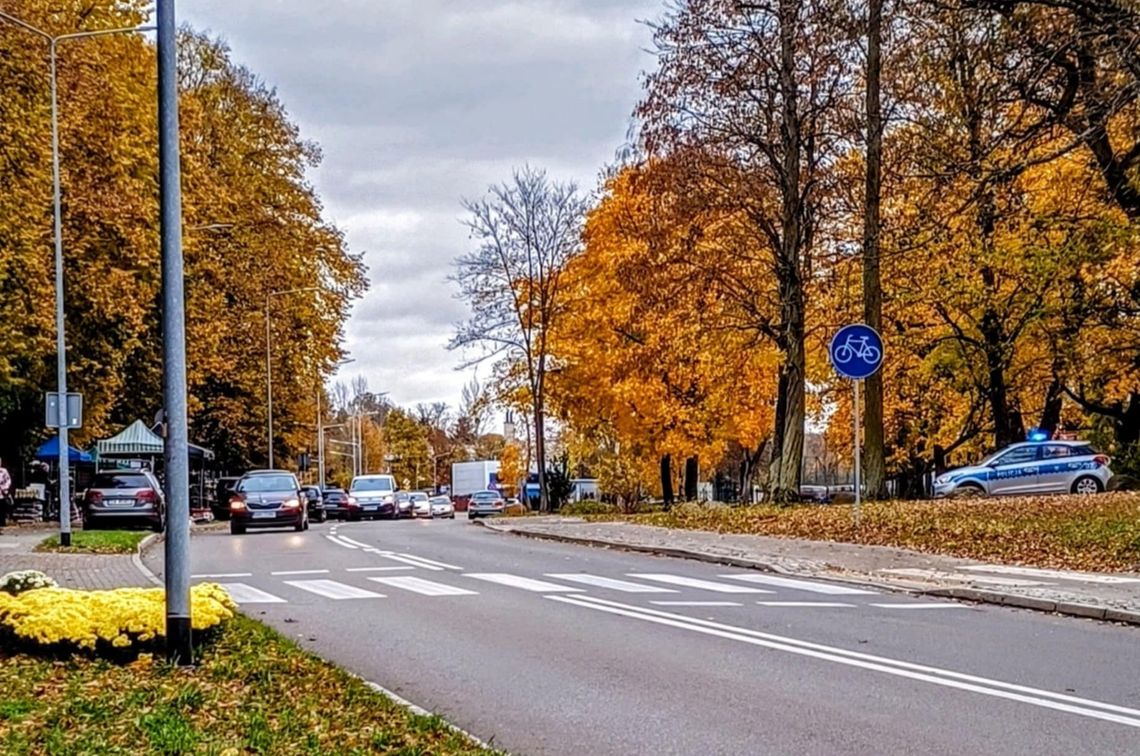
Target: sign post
(856, 352)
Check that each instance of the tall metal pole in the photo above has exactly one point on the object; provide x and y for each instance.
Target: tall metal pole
(320, 444)
(60, 336)
(268, 381)
(179, 647)
(858, 454)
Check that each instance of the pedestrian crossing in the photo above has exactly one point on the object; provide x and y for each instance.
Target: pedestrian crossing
(390, 582)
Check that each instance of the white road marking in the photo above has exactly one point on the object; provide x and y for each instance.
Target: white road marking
(800, 585)
(426, 561)
(939, 575)
(920, 606)
(425, 587)
(301, 572)
(515, 581)
(375, 569)
(934, 675)
(339, 542)
(605, 582)
(332, 589)
(208, 576)
(354, 542)
(397, 558)
(808, 604)
(696, 603)
(247, 594)
(688, 582)
(1087, 577)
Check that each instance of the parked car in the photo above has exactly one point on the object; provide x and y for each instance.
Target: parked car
(268, 499)
(374, 495)
(485, 504)
(336, 503)
(441, 506)
(314, 503)
(404, 504)
(131, 497)
(421, 504)
(223, 491)
(1030, 468)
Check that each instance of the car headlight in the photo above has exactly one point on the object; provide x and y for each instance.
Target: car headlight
(942, 480)
(291, 504)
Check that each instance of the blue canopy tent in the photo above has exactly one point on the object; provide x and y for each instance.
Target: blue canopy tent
(49, 452)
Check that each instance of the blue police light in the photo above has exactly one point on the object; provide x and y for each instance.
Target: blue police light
(1037, 435)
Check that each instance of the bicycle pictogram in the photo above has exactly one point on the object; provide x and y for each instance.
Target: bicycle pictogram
(857, 347)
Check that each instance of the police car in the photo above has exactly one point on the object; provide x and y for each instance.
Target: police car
(1031, 468)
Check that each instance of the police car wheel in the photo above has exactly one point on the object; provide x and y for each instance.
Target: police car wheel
(1086, 484)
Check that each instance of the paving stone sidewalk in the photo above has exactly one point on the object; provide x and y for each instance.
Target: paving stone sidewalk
(1114, 596)
(86, 571)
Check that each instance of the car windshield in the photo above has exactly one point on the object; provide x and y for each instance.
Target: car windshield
(372, 484)
(419, 497)
(485, 496)
(121, 480)
(441, 500)
(262, 483)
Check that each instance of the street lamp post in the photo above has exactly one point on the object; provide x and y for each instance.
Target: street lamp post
(57, 231)
(269, 360)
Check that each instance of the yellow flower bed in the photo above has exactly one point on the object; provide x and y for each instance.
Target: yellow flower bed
(122, 617)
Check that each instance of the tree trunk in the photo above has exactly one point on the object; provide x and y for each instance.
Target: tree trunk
(874, 455)
(540, 453)
(667, 481)
(692, 471)
(1054, 403)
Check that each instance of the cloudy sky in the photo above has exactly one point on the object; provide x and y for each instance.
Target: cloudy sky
(420, 103)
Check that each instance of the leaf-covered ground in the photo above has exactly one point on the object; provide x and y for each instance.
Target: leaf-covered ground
(96, 542)
(252, 692)
(1099, 533)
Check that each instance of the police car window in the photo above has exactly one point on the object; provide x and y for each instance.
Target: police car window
(1053, 451)
(1018, 456)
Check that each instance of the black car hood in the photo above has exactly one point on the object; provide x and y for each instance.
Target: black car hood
(268, 499)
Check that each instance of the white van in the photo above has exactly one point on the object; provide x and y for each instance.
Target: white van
(372, 496)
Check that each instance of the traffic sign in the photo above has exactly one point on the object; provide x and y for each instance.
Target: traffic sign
(74, 410)
(856, 351)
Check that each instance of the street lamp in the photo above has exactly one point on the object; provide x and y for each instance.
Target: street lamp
(269, 360)
(57, 230)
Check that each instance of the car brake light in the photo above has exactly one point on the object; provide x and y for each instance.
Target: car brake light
(1101, 460)
(94, 497)
(147, 496)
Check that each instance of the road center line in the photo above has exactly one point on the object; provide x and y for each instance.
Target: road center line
(346, 539)
(209, 576)
(301, 572)
(696, 603)
(339, 542)
(375, 569)
(808, 604)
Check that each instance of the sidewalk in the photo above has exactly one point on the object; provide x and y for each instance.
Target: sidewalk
(85, 571)
(1113, 597)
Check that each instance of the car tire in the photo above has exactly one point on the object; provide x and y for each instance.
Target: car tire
(452, 517)
(236, 528)
(967, 491)
(88, 523)
(1087, 485)
(158, 525)
(323, 516)
(301, 525)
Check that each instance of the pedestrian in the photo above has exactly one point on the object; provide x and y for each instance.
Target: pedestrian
(5, 494)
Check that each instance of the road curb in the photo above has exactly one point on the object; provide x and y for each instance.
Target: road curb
(1066, 608)
(136, 558)
(422, 712)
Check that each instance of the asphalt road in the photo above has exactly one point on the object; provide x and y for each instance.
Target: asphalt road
(545, 648)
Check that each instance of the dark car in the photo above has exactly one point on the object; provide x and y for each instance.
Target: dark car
(405, 507)
(268, 499)
(337, 503)
(315, 503)
(223, 491)
(131, 497)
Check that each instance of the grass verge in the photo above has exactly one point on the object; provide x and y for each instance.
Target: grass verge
(253, 691)
(1100, 533)
(96, 542)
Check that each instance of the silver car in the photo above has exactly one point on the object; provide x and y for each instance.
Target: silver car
(1035, 467)
(485, 504)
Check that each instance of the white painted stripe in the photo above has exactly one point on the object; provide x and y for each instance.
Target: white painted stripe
(301, 572)
(807, 604)
(605, 582)
(956, 576)
(514, 581)
(247, 594)
(208, 576)
(920, 606)
(354, 542)
(800, 585)
(427, 561)
(425, 587)
(332, 589)
(339, 542)
(405, 560)
(696, 603)
(946, 678)
(1087, 577)
(688, 582)
(375, 569)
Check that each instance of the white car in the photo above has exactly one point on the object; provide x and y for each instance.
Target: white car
(373, 496)
(441, 506)
(1033, 467)
(421, 504)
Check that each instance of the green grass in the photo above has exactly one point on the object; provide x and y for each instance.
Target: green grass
(252, 691)
(96, 542)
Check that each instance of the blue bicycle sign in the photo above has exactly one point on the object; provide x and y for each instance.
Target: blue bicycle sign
(856, 351)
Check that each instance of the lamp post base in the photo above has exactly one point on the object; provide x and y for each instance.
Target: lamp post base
(179, 649)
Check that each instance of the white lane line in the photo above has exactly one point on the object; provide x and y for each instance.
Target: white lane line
(515, 581)
(688, 582)
(376, 569)
(332, 589)
(808, 604)
(800, 585)
(1087, 577)
(959, 577)
(920, 606)
(426, 561)
(696, 603)
(405, 560)
(300, 572)
(339, 542)
(354, 542)
(209, 576)
(605, 582)
(935, 675)
(247, 594)
(425, 587)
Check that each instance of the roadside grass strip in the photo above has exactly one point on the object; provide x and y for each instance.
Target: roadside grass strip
(96, 542)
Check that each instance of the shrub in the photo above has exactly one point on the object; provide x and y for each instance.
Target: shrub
(580, 508)
(25, 580)
(124, 618)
